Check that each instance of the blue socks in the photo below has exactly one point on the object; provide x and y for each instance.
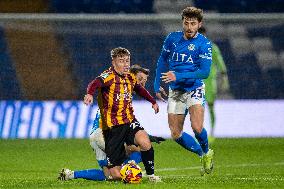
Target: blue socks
(189, 143)
(90, 174)
(202, 139)
(136, 156)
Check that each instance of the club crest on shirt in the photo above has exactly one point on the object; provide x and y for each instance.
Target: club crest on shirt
(191, 47)
(104, 75)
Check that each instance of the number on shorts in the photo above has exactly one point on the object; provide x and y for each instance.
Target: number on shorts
(197, 93)
(135, 124)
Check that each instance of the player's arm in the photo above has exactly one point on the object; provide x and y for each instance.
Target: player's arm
(162, 65)
(218, 59)
(91, 89)
(205, 57)
(141, 91)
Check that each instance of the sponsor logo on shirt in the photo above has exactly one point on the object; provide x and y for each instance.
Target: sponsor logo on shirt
(191, 47)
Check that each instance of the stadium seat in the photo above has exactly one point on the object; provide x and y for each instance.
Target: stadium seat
(98, 6)
(216, 31)
(236, 30)
(9, 84)
(267, 59)
(262, 44)
(247, 77)
(10, 88)
(281, 60)
(89, 51)
(241, 45)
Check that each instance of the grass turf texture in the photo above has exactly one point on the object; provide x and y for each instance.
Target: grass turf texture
(239, 163)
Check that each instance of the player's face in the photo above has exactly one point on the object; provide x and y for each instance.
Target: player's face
(190, 27)
(121, 64)
(141, 78)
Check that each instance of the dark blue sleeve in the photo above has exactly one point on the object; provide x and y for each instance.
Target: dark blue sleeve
(205, 57)
(162, 62)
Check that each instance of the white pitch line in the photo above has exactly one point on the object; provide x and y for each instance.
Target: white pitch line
(240, 178)
(266, 179)
(226, 166)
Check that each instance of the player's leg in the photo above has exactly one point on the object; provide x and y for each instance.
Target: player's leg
(88, 174)
(182, 138)
(133, 153)
(156, 139)
(211, 92)
(212, 120)
(97, 137)
(138, 136)
(114, 148)
(197, 119)
(196, 101)
(176, 116)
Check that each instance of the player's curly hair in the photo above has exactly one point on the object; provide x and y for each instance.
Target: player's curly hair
(118, 52)
(136, 68)
(192, 12)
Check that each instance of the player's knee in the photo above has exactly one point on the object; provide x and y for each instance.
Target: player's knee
(142, 140)
(145, 145)
(175, 134)
(197, 129)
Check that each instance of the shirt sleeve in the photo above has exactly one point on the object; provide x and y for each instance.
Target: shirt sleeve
(94, 85)
(205, 57)
(162, 62)
(101, 81)
(141, 91)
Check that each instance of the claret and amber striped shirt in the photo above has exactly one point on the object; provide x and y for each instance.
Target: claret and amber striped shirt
(115, 97)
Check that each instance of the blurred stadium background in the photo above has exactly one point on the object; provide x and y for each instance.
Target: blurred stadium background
(50, 50)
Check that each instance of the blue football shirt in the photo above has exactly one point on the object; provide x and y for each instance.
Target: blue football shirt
(190, 59)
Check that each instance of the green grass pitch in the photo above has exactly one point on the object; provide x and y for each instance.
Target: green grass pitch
(239, 163)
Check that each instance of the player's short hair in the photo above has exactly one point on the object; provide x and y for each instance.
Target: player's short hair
(136, 68)
(202, 30)
(192, 12)
(119, 52)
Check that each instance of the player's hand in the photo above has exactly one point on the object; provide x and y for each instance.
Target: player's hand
(88, 99)
(159, 94)
(168, 77)
(156, 108)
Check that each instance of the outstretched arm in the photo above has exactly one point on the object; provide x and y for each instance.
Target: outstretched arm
(161, 66)
(141, 91)
(96, 83)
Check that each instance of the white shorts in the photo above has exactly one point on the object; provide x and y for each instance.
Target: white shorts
(97, 142)
(179, 102)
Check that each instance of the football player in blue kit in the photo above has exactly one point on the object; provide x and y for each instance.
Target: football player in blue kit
(188, 56)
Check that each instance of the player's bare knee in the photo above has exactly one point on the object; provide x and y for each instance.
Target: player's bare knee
(142, 140)
(145, 146)
(175, 134)
(197, 129)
